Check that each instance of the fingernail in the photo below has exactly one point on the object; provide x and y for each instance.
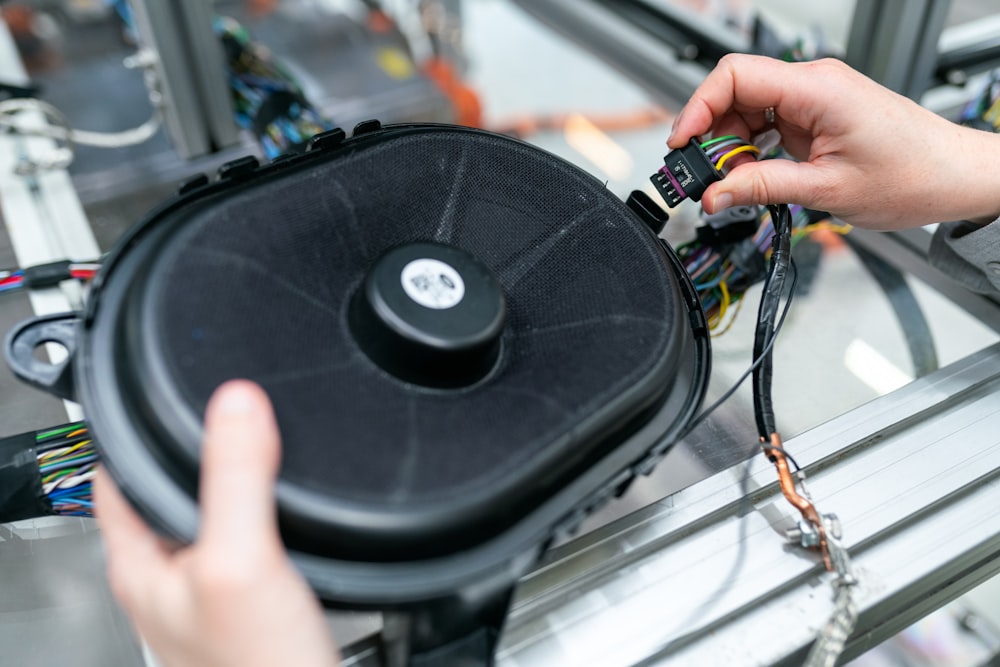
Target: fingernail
(722, 200)
(234, 400)
(673, 127)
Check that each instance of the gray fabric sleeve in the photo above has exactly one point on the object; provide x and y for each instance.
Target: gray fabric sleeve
(969, 253)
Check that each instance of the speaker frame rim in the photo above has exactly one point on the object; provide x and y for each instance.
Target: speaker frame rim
(502, 557)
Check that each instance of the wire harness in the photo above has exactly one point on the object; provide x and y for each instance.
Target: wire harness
(982, 111)
(46, 275)
(730, 251)
(67, 462)
(269, 102)
(733, 250)
(815, 530)
(47, 472)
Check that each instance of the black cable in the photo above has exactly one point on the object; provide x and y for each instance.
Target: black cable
(767, 313)
(757, 359)
(783, 452)
(912, 321)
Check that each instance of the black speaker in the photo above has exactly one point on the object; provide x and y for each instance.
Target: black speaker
(469, 343)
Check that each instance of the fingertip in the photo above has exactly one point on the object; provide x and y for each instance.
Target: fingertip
(239, 416)
(240, 461)
(693, 120)
(239, 398)
(721, 201)
(673, 141)
(240, 426)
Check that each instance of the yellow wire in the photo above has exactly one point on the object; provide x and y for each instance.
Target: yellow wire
(64, 450)
(724, 301)
(735, 151)
(821, 226)
(993, 113)
(729, 324)
(839, 229)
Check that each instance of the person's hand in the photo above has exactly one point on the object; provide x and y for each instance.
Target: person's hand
(232, 597)
(867, 155)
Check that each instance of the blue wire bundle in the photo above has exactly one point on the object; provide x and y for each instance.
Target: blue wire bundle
(67, 462)
(268, 101)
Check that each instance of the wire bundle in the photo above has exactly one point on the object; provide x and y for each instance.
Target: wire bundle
(67, 461)
(14, 279)
(268, 100)
(767, 316)
(722, 273)
(720, 149)
(983, 110)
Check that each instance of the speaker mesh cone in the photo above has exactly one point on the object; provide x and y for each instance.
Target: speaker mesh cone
(258, 285)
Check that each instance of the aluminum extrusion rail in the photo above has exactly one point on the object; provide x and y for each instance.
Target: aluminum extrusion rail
(706, 577)
(668, 75)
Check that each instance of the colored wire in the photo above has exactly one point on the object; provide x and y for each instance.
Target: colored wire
(721, 149)
(732, 319)
(983, 109)
(712, 142)
(757, 361)
(736, 151)
(708, 266)
(14, 279)
(723, 300)
(67, 462)
(268, 101)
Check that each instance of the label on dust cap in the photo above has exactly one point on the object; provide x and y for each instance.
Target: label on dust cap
(432, 284)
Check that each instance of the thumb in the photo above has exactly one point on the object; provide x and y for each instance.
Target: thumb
(766, 182)
(239, 465)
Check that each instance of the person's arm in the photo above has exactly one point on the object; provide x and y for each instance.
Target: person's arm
(969, 253)
(233, 597)
(865, 154)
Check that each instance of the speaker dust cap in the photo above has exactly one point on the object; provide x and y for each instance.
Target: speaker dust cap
(452, 327)
(430, 314)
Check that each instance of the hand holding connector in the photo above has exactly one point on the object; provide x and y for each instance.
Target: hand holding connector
(686, 174)
(688, 171)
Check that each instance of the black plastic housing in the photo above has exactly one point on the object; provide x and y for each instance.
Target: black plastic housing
(686, 174)
(21, 495)
(728, 226)
(431, 344)
(47, 275)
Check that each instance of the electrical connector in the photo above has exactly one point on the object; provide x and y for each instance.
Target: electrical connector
(746, 257)
(47, 275)
(728, 226)
(686, 174)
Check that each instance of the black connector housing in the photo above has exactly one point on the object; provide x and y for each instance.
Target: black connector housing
(21, 495)
(747, 257)
(46, 275)
(686, 174)
(728, 226)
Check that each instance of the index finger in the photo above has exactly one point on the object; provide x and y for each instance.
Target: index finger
(740, 83)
